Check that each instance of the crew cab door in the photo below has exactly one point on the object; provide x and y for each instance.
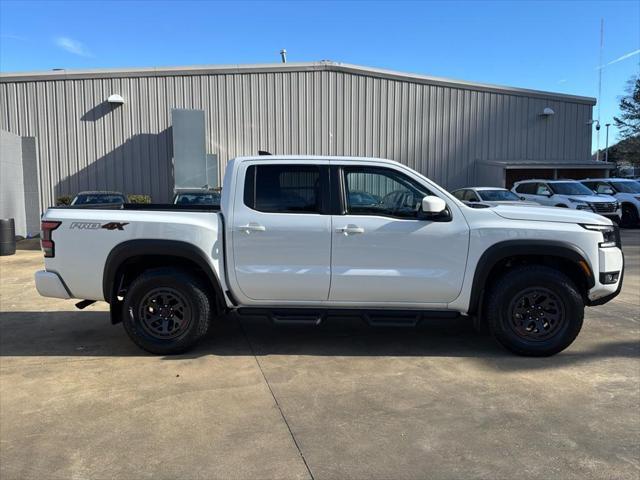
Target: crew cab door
(281, 237)
(384, 252)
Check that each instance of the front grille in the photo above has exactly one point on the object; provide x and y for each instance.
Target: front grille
(603, 207)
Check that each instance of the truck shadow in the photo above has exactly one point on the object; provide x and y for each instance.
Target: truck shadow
(90, 334)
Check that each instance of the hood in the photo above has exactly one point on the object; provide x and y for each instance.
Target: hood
(550, 214)
(592, 198)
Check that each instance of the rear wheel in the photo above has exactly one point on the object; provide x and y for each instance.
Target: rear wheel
(535, 311)
(166, 311)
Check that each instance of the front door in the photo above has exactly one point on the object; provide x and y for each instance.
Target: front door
(281, 234)
(383, 251)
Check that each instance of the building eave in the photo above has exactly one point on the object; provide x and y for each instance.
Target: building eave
(54, 75)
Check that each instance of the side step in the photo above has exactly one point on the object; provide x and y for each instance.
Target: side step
(374, 318)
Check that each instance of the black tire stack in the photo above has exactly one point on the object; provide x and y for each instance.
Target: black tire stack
(7, 236)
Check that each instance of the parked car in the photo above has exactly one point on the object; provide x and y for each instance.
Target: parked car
(95, 199)
(287, 244)
(568, 194)
(492, 196)
(626, 191)
(197, 197)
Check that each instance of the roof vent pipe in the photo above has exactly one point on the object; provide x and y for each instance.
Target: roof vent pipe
(283, 54)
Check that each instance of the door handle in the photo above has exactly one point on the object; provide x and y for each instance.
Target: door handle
(252, 227)
(350, 230)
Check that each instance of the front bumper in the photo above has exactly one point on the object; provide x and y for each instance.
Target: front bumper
(609, 260)
(49, 284)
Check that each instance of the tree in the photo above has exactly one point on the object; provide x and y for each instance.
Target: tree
(628, 124)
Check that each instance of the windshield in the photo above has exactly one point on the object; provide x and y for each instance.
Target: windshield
(498, 196)
(626, 187)
(204, 198)
(91, 199)
(570, 188)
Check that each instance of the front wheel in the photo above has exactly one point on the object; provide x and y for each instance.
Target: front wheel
(166, 310)
(535, 311)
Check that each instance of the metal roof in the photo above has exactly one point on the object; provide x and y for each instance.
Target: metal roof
(324, 65)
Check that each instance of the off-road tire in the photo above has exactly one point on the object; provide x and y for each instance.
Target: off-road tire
(517, 292)
(186, 289)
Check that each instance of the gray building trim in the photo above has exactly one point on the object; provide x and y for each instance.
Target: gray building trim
(554, 165)
(286, 68)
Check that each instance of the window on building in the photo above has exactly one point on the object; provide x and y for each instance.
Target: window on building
(283, 188)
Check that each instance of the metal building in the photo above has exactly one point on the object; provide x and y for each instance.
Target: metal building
(457, 133)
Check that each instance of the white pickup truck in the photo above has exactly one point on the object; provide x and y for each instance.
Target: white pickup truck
(297, 238)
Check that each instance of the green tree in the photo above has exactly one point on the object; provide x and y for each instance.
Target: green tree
(628, 124)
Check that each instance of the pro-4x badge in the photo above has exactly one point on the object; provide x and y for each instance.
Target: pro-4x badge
(114, 226)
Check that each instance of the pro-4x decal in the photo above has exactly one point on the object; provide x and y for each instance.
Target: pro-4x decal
(114, 226)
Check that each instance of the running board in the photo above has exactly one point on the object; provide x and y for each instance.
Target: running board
(375, 318)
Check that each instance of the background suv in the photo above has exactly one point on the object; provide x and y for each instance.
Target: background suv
(625, 190)
(568, 194)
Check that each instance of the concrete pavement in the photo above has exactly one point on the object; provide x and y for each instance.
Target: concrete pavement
(254, 401)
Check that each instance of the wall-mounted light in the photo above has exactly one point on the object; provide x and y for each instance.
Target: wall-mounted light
(547, 112)
(115, 99)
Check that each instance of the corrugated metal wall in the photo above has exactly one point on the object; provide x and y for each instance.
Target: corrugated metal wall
(442, 131)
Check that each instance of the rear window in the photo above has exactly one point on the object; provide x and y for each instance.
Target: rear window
(283, 188)
(97, 199)
(212, 198)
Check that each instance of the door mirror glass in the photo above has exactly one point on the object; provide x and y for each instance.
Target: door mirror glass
(432, 205)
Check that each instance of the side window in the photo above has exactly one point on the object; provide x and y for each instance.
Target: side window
(542, 189)
(283, 188)
(382, 191)
(527, 188)
(459, 194)
(470, 196)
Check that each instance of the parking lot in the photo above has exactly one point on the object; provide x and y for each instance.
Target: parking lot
(254, 401)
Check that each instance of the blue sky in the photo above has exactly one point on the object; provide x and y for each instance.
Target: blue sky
(541, 45)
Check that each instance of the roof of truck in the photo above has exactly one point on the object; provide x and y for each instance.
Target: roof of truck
(314, 157)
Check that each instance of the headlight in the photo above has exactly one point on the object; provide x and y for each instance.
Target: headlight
(610, 235)
(573, 200)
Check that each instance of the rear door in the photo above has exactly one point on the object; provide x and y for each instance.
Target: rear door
(384, 252)
(281, 233)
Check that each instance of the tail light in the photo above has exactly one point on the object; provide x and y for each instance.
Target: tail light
(47, 244)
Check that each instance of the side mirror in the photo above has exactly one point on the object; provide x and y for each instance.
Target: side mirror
(432, 205)
(522, 198)
(473, 200)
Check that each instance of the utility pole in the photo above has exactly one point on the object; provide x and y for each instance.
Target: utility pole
(606, 148)
(600, 68)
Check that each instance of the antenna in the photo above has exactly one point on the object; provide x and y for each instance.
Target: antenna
(283, 54)
(600, 68)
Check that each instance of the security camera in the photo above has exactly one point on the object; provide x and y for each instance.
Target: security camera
(591, 122)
